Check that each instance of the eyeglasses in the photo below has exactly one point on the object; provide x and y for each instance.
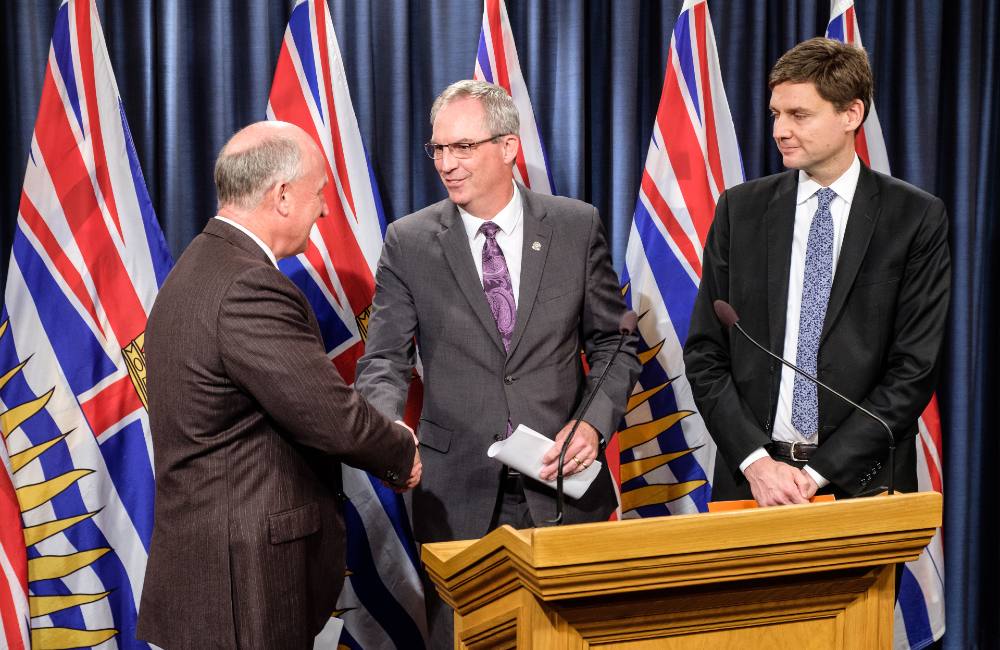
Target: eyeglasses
(435, 151)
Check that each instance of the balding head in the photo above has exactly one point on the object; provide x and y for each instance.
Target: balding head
(257, 158)
(270, 178)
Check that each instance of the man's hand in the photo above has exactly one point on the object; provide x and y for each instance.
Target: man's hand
(581, 453)
(775, 484)
(416, 472)
(812, 487)
(418, 468)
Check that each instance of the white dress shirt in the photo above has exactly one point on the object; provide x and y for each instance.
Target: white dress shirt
(805, 208)
(510, 237)
(257, 240)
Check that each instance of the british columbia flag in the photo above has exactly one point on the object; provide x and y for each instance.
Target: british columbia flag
(497, 62)
(86, 263)
(666, 455)
(920, 606)
(381, 605)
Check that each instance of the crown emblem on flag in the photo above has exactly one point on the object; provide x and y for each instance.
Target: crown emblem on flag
(135, 361)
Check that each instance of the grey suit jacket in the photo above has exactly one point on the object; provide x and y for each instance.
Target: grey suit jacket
(427, 290)
(249, 422)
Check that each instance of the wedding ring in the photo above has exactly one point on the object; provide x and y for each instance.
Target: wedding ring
(578, 461)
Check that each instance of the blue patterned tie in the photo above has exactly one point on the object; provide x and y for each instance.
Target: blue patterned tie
(815, 295)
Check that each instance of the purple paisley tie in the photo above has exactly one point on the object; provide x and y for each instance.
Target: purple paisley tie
(496, 284)
(499, 291)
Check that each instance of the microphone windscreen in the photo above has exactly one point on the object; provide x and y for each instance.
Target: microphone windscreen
(725, 313)
(628, 322)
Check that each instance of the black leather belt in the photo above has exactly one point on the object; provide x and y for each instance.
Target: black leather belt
(799, 452)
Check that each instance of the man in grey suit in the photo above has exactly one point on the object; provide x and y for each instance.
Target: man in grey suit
(250, 420)
(500, 288)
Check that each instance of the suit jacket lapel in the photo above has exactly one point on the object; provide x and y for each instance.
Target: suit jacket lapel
(780, 220)
(860, 226)
(455, 244)
(532, 260)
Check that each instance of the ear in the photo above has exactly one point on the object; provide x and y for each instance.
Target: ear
(511, 145)
(280, 198)
(854, 115)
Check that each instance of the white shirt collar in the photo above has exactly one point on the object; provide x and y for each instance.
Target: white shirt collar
(507, 219)
(844, 186)
(257, 240)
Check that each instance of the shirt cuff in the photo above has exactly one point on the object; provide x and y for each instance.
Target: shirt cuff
(753, 458)
(816, 476)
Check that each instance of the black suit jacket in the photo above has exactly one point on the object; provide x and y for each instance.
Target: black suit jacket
(249, 422)
(881, 337)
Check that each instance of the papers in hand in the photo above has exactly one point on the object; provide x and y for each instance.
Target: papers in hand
(523, 451)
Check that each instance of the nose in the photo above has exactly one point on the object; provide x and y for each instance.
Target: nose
(447, 161)
(780, 129)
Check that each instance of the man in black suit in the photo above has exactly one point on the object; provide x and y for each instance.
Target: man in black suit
(840, 269)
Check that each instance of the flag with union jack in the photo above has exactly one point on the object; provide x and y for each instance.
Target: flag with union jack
(382, 603)
(14, 617)
(497, 62)
(666, 455)
(86, 263)
(920, 606)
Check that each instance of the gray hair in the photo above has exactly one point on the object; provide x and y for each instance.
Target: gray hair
(242, 177)
(501, 113)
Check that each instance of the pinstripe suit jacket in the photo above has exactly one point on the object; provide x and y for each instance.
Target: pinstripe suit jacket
(427, 287)
(249, 422)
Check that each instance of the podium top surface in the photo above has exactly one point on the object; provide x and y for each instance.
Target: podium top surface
(701, 547)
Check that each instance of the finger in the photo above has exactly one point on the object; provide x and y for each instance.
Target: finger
(551, 454)
(572, 465)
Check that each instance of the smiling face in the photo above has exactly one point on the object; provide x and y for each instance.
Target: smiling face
(811, 134)
(482, 184)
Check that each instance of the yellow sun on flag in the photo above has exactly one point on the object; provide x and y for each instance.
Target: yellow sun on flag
(641, 432)
(47, 567)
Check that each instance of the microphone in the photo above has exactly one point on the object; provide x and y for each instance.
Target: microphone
(626, 326)
(727, 316)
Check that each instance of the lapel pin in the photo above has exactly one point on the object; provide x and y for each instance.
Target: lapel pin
(537, 246)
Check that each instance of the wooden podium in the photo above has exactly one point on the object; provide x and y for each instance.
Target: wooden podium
(809, 576)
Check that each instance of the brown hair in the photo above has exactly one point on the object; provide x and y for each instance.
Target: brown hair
(840, 72)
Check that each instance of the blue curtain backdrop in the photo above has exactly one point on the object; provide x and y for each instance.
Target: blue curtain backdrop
(192, 71)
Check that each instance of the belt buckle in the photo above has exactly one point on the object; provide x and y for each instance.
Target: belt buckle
(792, 452)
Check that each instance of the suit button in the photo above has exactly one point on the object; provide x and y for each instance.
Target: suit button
(509, 379)
(392, 476)
(498, 437)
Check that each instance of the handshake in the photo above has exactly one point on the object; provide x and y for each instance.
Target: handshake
(417, 469)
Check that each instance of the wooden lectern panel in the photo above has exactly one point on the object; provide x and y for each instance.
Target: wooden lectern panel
(814, 575)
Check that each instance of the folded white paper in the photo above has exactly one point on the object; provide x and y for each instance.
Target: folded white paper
(523, 451)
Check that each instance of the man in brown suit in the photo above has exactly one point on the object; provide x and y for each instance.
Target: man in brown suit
(250, 420)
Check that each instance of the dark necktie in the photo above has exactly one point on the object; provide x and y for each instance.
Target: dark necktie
(816, 284)
(497, 285)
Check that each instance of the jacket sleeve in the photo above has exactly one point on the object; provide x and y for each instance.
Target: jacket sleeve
(603, 307)
(708, 354)
(906, 386)
(385, 370)
(271, 351)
